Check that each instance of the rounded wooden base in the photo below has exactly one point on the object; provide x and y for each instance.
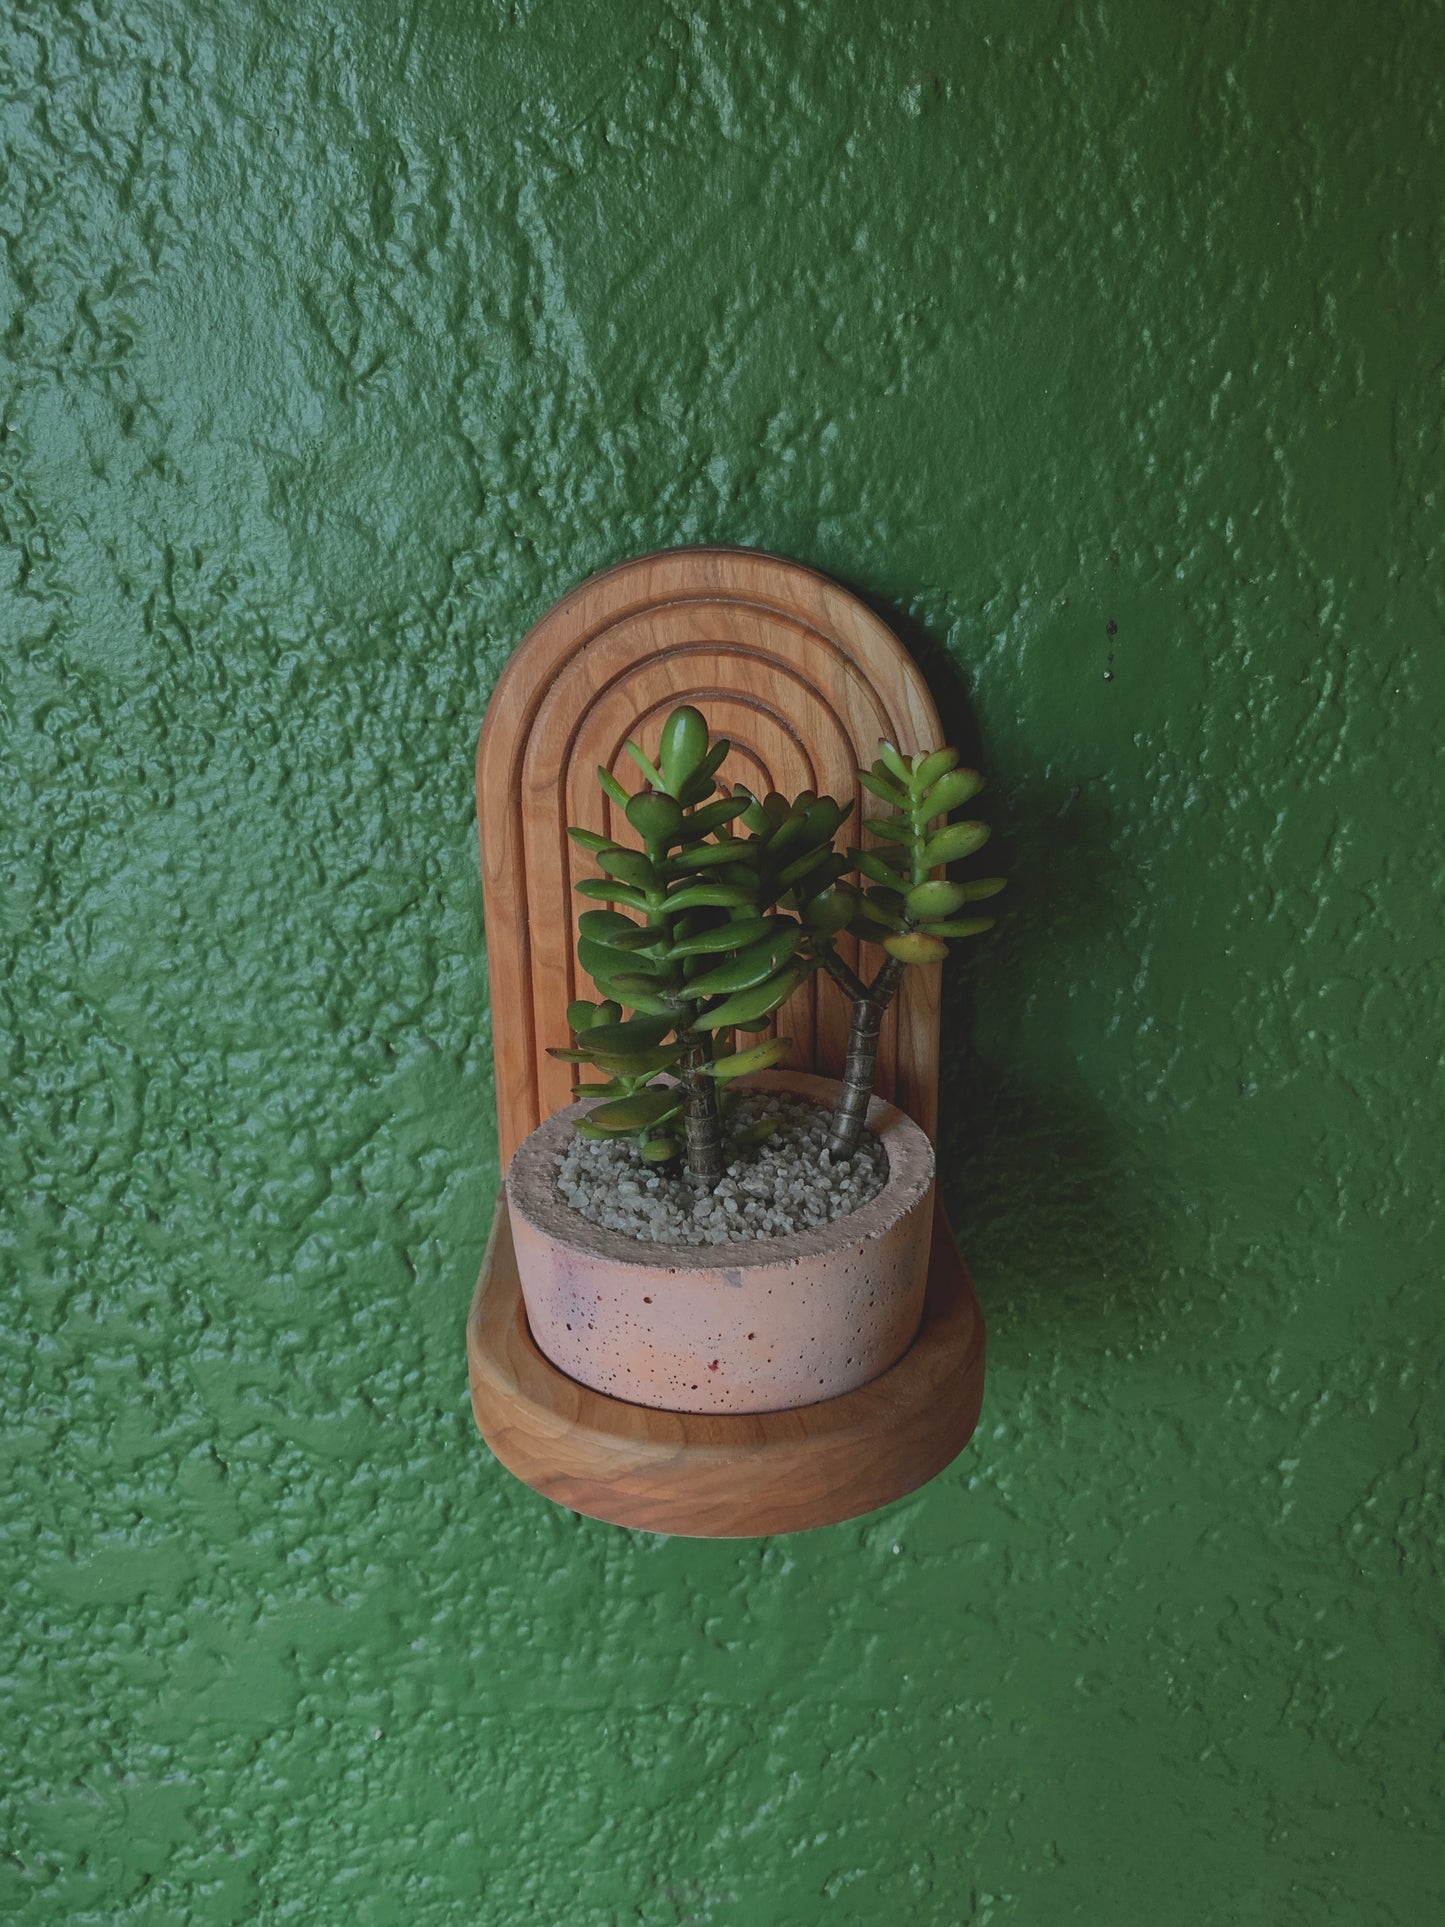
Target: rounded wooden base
(729, 1476)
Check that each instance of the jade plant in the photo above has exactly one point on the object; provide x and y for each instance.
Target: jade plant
(726, 908)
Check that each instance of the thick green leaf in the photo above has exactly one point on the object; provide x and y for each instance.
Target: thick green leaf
(635, 985)
(823, 820)
(880, 866)
(585, 1128)
(637, 999)
(612, 787)
(979, 887)
(726, 936)
(896, 829)
(827, 912)
(754, 816)
(602, 959)
(707, 896)
(692, 923)
(953, 842)
(936, 898)
(793, 851)
(751, 1006)
(819, 865)
(697, 789)
(683, 745)
(637, 1112)
(630, 865)
(659, 1150)
(638, 1063)
(715, 758)
(950, 791)
(750, 965)
(712, 816)
(606, 926)
(889, 902)
(930, 768)
(604, 890)
(581, 1015)
(896, 765)
(916, 947)
(959, 927)
(645, 763)
(656, 819)
(621, 933)
(756, 1133)
(705, 856)
(876, 908)
(880, 787)
(638, 1033)
(590, 840)
(783, 834)
(867, 932)
(742, 1063)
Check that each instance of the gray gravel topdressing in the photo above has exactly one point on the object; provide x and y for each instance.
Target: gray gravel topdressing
(787, 1184)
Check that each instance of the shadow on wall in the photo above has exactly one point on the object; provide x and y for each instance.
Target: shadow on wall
(1051, 1197)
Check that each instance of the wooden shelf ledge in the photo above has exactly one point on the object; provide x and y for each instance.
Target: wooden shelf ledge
(726, 1476)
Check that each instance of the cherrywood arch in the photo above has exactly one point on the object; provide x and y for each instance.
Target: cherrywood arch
(795, 671)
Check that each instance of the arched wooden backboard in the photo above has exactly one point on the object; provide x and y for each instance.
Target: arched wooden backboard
(795, 671)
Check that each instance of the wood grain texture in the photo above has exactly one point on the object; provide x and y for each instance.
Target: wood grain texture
(720, 1477)
(803, 679)
(795, 671)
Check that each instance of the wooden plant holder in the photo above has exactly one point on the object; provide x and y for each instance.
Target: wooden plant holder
(804, 680)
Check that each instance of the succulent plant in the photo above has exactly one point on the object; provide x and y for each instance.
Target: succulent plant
(904, 906)
(687, 944)
(721, 915)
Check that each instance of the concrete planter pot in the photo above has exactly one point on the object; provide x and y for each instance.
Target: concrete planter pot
(765, 1326)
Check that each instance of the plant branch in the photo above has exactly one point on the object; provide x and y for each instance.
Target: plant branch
(699, 1107)
(861, 1065)
(852, 983)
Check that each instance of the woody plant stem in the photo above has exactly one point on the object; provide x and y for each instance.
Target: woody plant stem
(701, 1128)
(861, 1065)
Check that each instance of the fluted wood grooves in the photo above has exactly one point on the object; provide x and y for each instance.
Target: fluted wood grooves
(804, 680)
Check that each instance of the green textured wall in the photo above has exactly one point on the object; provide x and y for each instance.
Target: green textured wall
(1099, 346)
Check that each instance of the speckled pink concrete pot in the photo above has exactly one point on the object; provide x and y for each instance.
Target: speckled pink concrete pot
(758, 1327)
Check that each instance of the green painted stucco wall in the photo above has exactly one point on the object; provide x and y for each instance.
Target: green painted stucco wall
(1099, 347)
